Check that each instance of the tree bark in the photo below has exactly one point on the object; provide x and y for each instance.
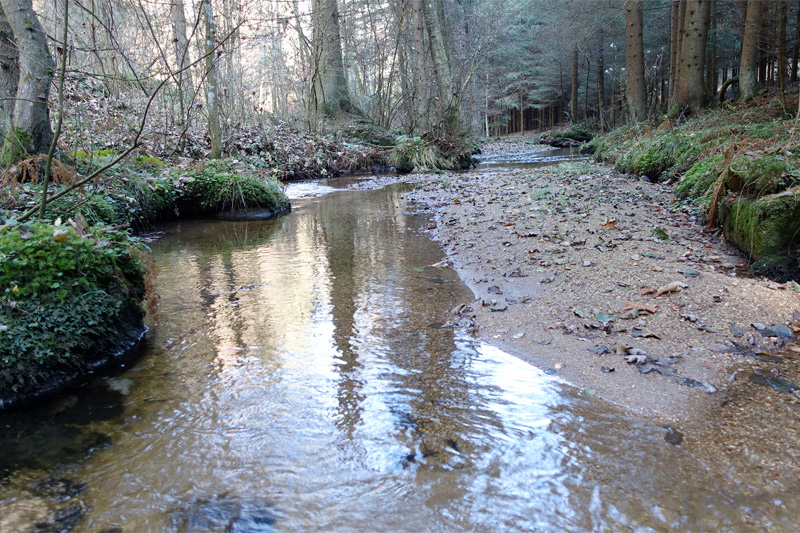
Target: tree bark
(691, 79)
(796, 46)
(329, 88)
(673, 47)
(181, 47)
(420, 84)
(634, 61)
(573, 110)
(449, 115)
(601, 85)
(748, 71)
(783, 14)
(212, 93)
(29, 131)
(9, 73)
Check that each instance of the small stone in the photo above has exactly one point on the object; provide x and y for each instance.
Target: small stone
(587, 263)
(778, 330)
(636, 257)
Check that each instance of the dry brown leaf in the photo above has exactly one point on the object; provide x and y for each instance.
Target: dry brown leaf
(647, 290)
(610, 223)
(644, 307)
(507, 224)
(675, 286)
(794, 349)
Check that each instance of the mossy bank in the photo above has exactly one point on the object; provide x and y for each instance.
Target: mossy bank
(70, 303)
(738, 166)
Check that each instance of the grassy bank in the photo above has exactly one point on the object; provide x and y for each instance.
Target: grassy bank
(738, 165)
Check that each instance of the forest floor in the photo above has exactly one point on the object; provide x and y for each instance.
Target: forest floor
(610, 283)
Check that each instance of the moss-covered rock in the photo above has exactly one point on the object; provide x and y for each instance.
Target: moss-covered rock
(767, 229)
(418, 153)
(68, 302)
(221, 188)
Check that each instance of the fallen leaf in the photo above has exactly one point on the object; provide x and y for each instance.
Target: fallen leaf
(675, 286)
(646, 291)
(508, 224)
(642, 307)
(644, 333)
(609, 224)
(619, 349)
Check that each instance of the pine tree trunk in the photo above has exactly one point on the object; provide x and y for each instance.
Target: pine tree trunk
(634, 61)
(673, 48)
(573, 112)
(783, 14)
(748, 72)
(29, 131)
(691, 79)
(601, 85)
(212, 93)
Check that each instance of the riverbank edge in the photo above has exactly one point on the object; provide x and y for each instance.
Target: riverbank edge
(108, 356)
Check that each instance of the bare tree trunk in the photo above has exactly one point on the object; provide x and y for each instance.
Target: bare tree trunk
(181, 48)
(9, 73)
(634, 61)
(748, 72)
(212, 93)
(329, 88)
(601, 85)
(691, 82)
(783, 8)
(673, 48)
(573, 110)
(796, 46)
(449, 113)
(420, 86)
(29, 132)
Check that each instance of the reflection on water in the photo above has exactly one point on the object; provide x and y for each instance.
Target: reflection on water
(296, 384)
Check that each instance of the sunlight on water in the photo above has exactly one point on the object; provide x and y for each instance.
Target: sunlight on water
(296, 384)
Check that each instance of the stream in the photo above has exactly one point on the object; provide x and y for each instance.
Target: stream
(299, 380)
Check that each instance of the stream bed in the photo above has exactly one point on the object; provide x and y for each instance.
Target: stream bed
(299, 380)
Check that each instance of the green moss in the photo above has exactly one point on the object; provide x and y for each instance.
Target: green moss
(761, 175)
(16, 147)
(417, 153)
(61, 296)
(217, 186)
(698, 182)
(576, 132)
(763, 227)
(148, 161)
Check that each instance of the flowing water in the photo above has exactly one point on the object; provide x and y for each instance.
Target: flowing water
(299, 381)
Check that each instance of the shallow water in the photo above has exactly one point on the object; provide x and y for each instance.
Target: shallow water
(541, 156)
(297, 382)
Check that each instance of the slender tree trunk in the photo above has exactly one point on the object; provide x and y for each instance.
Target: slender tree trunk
(691, 82)
(212, 94)
(181, 49)
(796, 46)
(601, 85)
(673, 48)
(783, 15)
(30, 131)
(748, 72)
(634, 61)
(575, 82)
